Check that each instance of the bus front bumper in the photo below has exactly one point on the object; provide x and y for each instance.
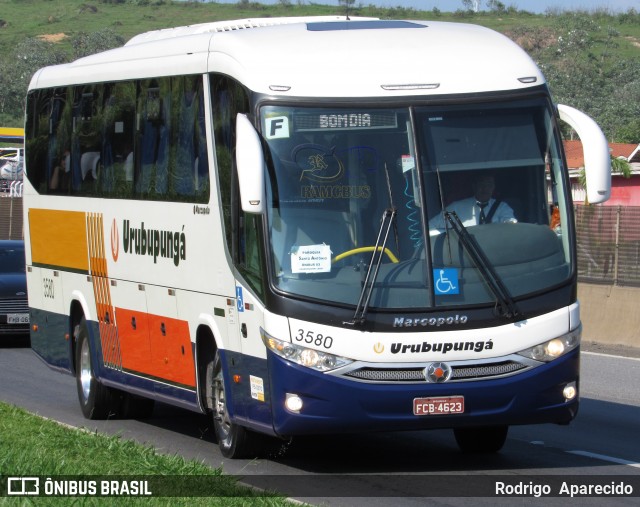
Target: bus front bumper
(332, 404)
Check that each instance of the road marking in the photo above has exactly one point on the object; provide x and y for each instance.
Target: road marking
(603, 457)
(610, 355)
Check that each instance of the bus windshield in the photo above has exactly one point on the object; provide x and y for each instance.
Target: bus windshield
(427, 206)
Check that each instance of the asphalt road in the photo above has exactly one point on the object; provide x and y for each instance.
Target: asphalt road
(389, 468)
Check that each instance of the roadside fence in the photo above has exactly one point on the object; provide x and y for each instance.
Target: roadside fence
(608, 244)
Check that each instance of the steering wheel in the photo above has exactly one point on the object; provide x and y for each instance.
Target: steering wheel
(365, 249)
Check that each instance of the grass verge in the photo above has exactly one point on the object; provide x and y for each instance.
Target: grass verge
(32, 446)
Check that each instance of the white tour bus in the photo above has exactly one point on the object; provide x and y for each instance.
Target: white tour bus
(265, 220)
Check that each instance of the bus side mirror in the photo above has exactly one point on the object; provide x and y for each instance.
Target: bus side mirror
(250, 166)
(597, 161)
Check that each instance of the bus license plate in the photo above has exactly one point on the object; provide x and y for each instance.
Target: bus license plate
(438, 406)
(18, 318)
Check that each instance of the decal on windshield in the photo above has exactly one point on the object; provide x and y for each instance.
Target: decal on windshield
(277, 127)
(407, 163)
(446, 281)
(311, 259)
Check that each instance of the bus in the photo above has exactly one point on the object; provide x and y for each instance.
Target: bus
(239, 218)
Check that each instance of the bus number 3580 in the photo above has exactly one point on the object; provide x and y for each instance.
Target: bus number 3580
(317, 339)
(48, 288)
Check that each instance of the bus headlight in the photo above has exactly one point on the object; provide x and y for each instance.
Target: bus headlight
(553, 349)
(311, 358)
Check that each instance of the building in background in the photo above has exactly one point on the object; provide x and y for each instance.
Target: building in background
(624, 191)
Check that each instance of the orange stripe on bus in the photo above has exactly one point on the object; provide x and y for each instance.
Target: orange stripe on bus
(111, 351)
(59, 238)
(156, 346)
(133, 332)
(171, 352)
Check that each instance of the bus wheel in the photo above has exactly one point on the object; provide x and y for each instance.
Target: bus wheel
(232, 438)
(486, 439)
(95, 399)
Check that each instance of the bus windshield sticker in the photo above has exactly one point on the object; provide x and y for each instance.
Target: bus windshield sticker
(407, 163)
(446, 281)
(311, 259)
(277, 127)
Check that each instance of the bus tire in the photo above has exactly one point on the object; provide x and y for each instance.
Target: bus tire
(486, 439)
(96, 400)
(233, 439)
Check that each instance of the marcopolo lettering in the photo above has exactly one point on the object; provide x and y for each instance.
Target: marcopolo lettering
(418, 348)
(430, 321)
(201, 210)
(154, 243)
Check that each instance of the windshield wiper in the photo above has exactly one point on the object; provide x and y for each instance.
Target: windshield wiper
(506, 306)
(386, 222)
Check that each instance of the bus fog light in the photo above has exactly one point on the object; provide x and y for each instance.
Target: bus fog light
(293, 402)
(570, 391)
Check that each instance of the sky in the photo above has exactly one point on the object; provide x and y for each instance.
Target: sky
(536, 6)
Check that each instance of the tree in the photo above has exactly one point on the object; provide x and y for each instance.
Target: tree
(16, 72)
(471, 5)
(621, 166)
(584, 71)
(618, 166)
(629, 132)
(85, 44)
(496, 6)
(35, 53)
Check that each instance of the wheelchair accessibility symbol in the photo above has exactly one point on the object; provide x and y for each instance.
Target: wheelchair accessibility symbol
(446, 281)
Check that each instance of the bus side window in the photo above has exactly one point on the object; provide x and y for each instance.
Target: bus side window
(188, 167)
(152, 138)
(117, 146)
(86, 140)
(39, 161)
(229, 98)
(250, 260)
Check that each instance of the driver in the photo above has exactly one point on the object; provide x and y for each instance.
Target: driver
(481, 208)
